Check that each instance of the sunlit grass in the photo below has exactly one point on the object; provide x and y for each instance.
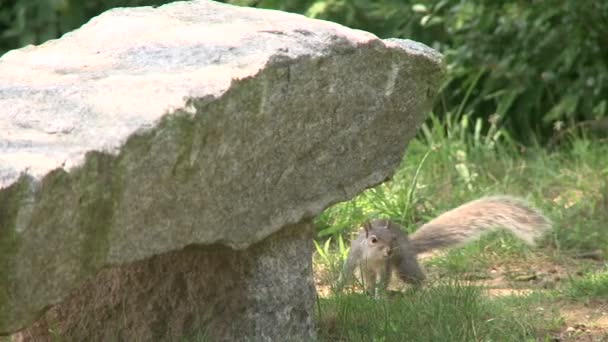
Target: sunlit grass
(445, 167)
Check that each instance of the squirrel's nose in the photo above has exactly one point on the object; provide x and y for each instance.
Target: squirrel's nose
(388, 252)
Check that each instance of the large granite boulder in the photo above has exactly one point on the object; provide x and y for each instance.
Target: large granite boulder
(159, 167)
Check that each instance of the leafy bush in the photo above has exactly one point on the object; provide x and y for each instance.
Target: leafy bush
(536, 66)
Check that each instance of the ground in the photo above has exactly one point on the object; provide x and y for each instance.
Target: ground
(581, 319)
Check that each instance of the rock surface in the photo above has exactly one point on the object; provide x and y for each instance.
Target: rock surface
(149, 130)
(210, 293)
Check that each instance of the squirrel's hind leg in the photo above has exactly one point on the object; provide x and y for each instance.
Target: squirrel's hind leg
(408, 269)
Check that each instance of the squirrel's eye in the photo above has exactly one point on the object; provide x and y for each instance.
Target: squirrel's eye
(374, 240)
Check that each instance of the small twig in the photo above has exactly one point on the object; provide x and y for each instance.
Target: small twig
(595, 255)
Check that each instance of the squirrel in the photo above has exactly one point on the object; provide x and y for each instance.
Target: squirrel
(383, 247)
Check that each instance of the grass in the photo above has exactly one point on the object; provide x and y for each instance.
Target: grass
(479, 255)
(592, 285)
(449, 164)
(448, 311)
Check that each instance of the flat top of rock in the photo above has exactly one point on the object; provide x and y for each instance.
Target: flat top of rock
(123, 70)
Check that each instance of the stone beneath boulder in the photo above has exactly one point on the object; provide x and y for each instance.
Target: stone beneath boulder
(210, 293)
(195, 132)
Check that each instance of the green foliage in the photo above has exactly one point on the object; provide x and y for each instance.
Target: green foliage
(331, 256)
(537, 67)
(475, 258)
(582, 229)
(325, 251)
(449, 311)
(538, 63)
(592, 285)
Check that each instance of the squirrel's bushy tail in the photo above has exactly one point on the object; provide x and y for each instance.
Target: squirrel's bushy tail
(470, 220)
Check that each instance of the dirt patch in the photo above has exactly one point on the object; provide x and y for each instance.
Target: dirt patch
(585, 322)
(508, 292)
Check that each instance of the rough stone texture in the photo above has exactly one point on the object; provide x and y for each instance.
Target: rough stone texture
(171, 296)
(195, 123)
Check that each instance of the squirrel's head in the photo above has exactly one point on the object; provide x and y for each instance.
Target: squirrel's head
(379, 238)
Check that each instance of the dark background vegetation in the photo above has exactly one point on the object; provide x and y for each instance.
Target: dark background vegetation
(537, 66)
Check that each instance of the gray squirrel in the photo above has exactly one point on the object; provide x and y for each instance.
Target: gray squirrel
(383, 247)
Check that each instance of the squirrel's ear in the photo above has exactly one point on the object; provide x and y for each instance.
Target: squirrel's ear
(387, 224)
(367, 226)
